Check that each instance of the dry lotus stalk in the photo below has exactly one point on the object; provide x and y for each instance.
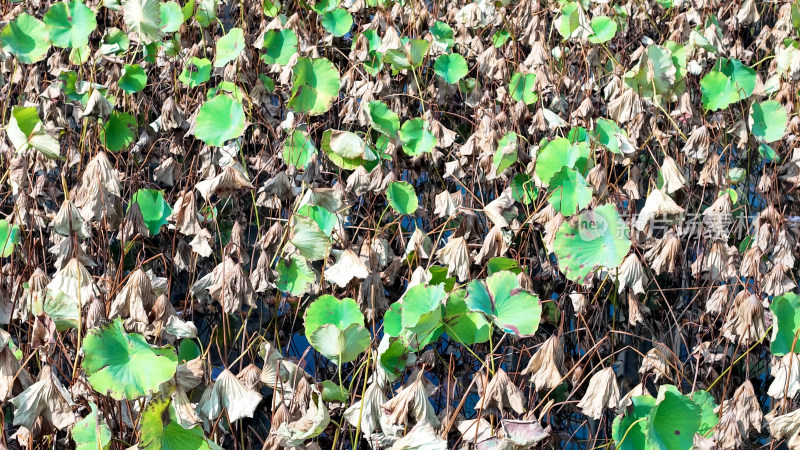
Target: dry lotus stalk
(602, 393)
(547, 364)
(501, 394)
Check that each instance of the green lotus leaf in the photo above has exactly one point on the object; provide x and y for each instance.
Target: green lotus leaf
(560, 153)
(271, 8)
(502, 301)
(416, 137)
(729, 82)
(410, 56)
(382, 118)
(500, 38)
(569, 192)
(92, 432)
(187, 351)
(417, 318)
(26, 37)
(70, 23)
(672, 423)
(597, 238)
(521, 88)
(229, 47)
(118, 131)
(628, 429)
(219, 120)
(461, 324)
(337, 22)
(345, 149)
(718, 91)
(25, 130)
(742, 76)
(115, 41)
(171, 17)
(308, 238)
(603, 29)
(374, 63)
(439, 276)
(325, 219)
(279, 46)
(154, 208)
(160, 429)
(79, 55)
(443, 35)
(523, 189)
(606, 132)
(124, 365)
(420, 301)
(298, 148)
(323, 6)
(402, 197)
(708, 419)
(133, 78)
(206, 12)
(295, 276)
(340, 346)
(654, 75)
(768, 120)
(196, 72)
(327, 309)
(499, 264)
(451, 67)
(570, 22)
(9, 237)
(786, 323)
(394, 355)
(506, 154)
(332, 392)
(143, 17)
(315, 84)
